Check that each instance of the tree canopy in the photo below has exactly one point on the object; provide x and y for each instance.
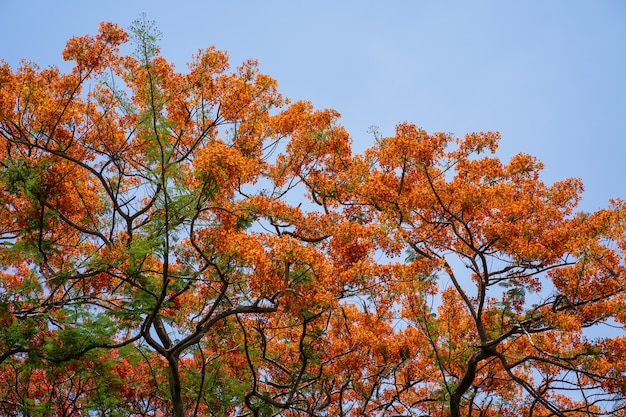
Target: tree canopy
(194, 244)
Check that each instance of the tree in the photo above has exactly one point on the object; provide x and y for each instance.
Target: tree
(195, 244)
(503, 285)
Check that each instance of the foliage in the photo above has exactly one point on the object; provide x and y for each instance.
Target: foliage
(195, 244)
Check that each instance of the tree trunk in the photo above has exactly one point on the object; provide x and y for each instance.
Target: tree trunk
(466, 382)
(178, 407)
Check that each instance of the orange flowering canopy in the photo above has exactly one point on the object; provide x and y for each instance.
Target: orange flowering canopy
(194, 244)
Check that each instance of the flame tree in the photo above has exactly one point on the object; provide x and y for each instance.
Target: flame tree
(192, 243)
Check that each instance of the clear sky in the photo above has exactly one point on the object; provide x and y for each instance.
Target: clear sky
(549, 75)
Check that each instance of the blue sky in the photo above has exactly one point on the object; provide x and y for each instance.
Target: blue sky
(549, 75)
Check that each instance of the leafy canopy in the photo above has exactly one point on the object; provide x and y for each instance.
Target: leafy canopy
(193, 243)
